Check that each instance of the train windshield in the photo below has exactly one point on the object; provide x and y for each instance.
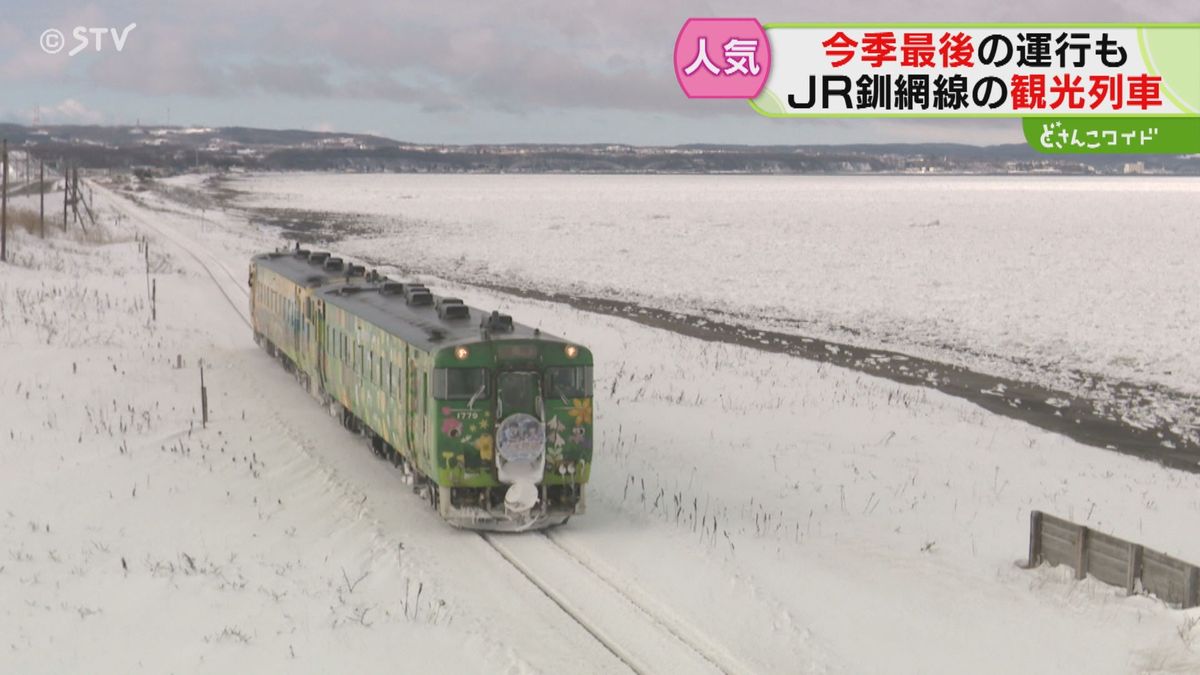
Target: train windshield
(519, 392)
(460, 384)
(567, 382)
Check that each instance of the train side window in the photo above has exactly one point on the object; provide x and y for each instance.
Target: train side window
(569, 382)
(460, 384)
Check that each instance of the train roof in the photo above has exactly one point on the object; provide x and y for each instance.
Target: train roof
(420, 325)
(384, 303)
(298, 269)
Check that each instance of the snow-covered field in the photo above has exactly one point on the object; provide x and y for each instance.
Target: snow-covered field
(1050, 279)
(789, 516)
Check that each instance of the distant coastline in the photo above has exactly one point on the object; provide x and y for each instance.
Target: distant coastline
(161, 150)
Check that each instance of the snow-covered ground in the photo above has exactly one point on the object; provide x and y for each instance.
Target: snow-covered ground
(1049, 279)
(789, 516)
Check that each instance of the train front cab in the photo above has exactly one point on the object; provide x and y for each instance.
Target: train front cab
(513, 432)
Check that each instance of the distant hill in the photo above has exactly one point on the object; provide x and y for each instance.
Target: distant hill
(174, 149)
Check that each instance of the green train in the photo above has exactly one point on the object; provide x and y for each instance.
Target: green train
(490, 419)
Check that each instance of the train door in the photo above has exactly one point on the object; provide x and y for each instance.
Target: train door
(410, 402)
(359, 367)
(520, 431)
(518, 391)
(320, 341)
(297, 323)
(253, 298)
(347, 359)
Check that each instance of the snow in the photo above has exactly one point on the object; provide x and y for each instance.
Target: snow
(1050, 279)
(787, 516)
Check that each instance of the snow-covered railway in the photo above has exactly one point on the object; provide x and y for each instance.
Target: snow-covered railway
(638, 631)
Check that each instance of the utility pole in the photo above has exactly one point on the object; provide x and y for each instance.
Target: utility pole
(75, 192)
(66, 172)
(42, 196)
(4, 208)
(75, 199)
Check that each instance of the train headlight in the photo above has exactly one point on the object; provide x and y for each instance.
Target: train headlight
(571, 351)
(461, 353)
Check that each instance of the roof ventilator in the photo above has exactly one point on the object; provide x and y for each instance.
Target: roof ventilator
(497, 323)
(452, 308)
(422, 298)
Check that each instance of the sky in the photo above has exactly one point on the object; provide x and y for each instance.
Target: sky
(549, 71)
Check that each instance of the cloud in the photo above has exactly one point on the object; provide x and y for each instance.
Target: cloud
(275, 77)
(67, 111)
(156, 63)
(597, 59)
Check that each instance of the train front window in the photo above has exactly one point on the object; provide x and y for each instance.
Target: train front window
(459, 384)
(518, 392)
(568, 382)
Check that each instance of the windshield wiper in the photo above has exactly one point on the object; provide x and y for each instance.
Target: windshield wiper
(471, 403)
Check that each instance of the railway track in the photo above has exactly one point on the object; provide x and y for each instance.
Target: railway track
(643, 636)
(638, 631)
(226, 282)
